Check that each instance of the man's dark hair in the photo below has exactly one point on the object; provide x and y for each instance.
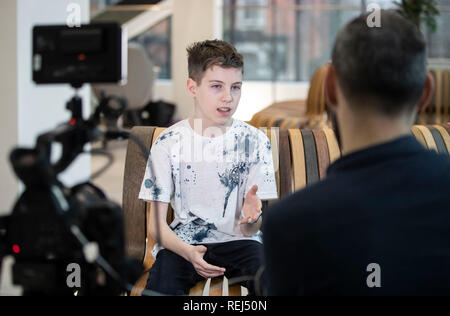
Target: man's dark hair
(385, 64)
(203, 55)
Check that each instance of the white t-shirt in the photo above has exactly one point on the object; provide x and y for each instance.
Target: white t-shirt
(206, 179)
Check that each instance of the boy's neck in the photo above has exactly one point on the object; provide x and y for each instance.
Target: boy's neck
(208, 129)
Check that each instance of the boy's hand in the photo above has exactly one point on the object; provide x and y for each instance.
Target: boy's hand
(203, 268)
(252, 207)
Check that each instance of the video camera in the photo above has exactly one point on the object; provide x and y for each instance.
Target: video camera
(53, 226)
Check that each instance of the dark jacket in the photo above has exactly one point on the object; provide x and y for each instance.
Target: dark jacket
(387, 205)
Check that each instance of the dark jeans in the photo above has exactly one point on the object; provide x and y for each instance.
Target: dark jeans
(172, 274)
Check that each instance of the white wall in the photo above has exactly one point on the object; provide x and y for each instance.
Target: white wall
(27, 109)
(8, 101)
(164, 90)
(193, 20)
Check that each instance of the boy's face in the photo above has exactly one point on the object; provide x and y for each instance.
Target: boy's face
(217, 96)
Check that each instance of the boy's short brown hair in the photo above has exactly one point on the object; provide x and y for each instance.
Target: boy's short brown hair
(203, 55)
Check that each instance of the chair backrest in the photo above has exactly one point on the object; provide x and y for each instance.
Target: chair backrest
(315, 104)
(311, 112)
(135, 209)
(278, 112)
(300, 157)
(436, 137)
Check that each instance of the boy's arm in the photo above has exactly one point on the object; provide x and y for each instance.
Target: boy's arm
(251, 209)
(161, 232)
(261, 174)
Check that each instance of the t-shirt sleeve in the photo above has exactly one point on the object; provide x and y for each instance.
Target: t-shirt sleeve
(262, 172)
(157, 184)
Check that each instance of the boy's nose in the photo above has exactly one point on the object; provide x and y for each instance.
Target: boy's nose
(227, 97)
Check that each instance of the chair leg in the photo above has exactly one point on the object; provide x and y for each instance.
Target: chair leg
(140, 285)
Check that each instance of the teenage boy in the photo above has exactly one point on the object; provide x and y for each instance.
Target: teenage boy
(214, 170)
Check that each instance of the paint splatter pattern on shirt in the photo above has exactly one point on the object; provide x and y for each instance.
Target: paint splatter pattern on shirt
(214, 190)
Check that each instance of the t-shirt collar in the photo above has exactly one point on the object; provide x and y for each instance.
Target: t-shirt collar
(188, 125)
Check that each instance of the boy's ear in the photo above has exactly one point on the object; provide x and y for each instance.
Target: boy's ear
(191, 87)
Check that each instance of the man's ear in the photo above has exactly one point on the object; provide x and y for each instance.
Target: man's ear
(427, 93)
(191, 87)
(330, 88)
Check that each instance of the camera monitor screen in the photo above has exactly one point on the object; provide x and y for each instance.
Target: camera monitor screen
(77, 55)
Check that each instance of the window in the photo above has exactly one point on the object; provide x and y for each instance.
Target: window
(439, 42)
(157, 43)
(98, 6)
(294, 37)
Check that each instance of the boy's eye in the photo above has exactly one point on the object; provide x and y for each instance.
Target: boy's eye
(216, 86)
(236, 87)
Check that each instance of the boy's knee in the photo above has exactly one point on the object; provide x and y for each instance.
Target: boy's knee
(171, 274)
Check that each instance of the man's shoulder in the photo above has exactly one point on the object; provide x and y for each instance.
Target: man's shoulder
(443, 160)
(433, 167)
(323, 198)
(308, 199)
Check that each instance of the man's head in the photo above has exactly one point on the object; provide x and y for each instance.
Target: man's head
(215, 80)
(380, 69)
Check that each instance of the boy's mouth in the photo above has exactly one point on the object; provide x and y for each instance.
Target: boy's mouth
(224, 109)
